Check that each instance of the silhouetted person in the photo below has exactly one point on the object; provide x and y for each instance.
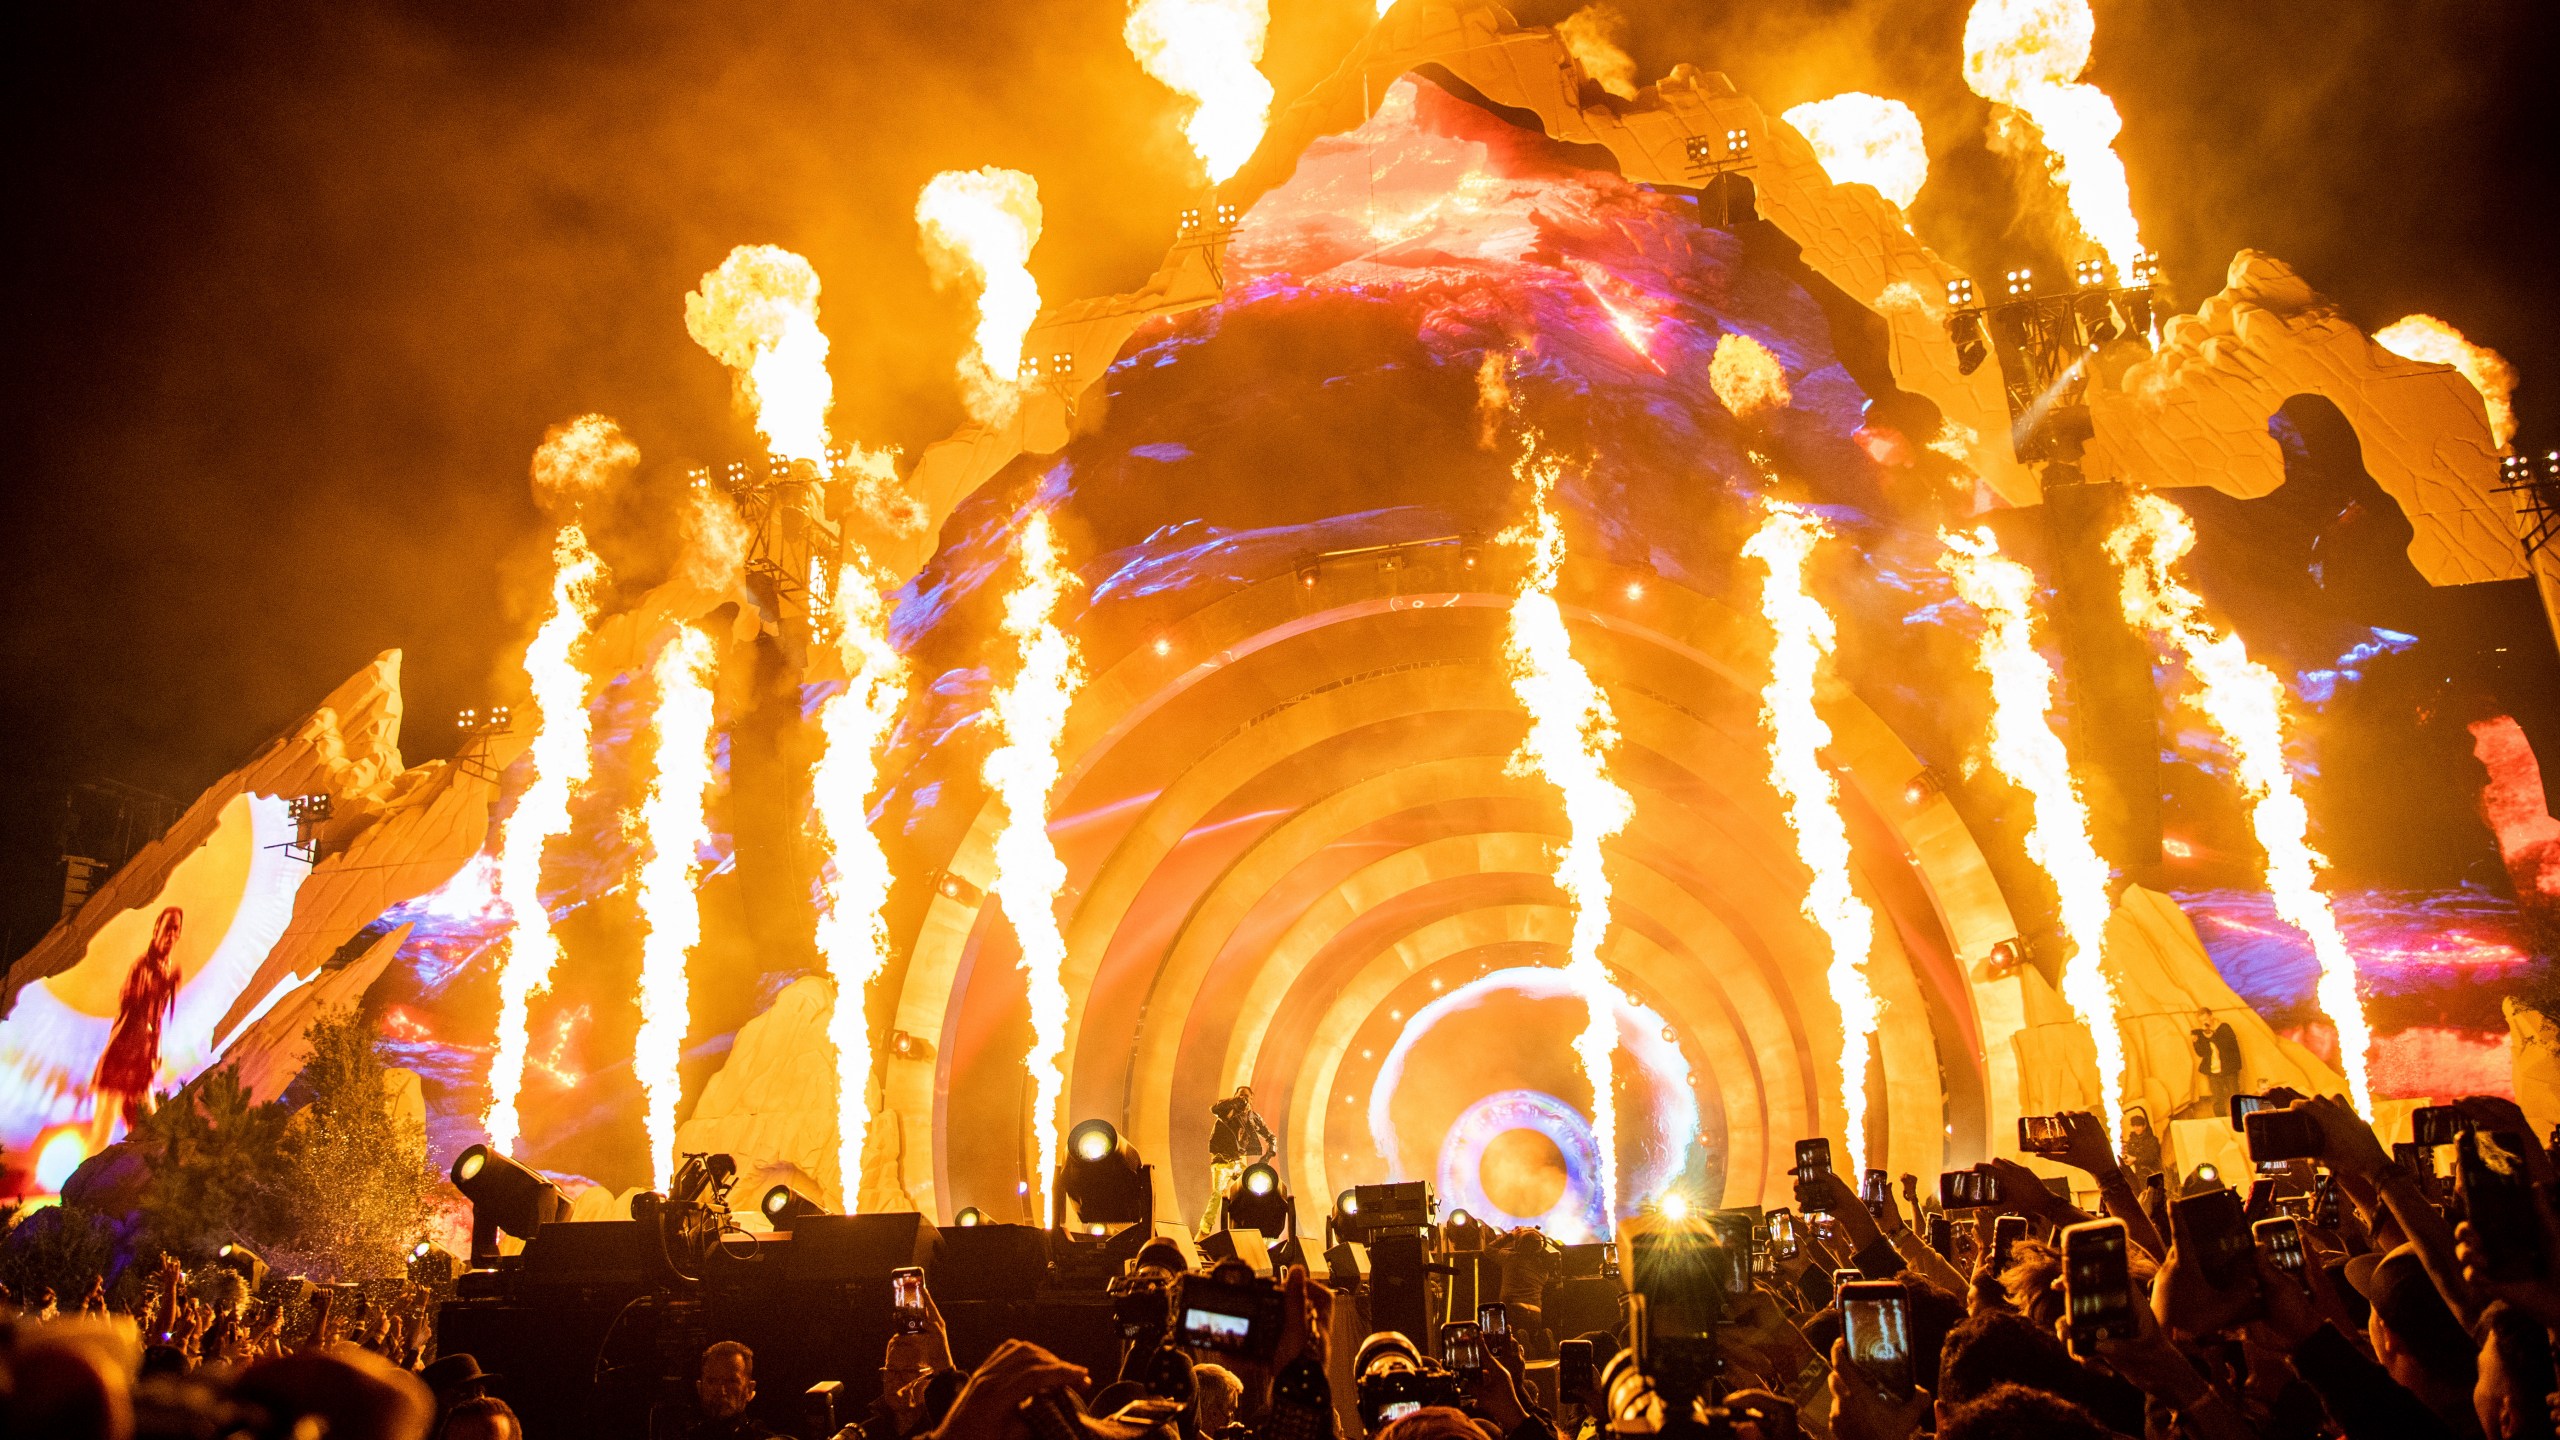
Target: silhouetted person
(724, 1388)
(1237, 1139)
(131, 1060)
(2217, 1048)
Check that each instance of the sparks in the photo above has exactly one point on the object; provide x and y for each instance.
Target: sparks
(758, 315)
(1745, 377)
(2429, 340)
(1031, 718)
(1866, 139)
(1797, 735)
(673, 816)
(1572, 733)
(1206, 51)
(2026, 749)
(979, 226)
(2029, 55)
(2244, 701)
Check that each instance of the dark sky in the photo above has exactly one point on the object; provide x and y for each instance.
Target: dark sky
(297, 286)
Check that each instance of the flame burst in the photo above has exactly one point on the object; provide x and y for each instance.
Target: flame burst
(674, 818)
(2245, 703)
(2429, 340)
(758, 315)
(1866, 139)
(560, 760)
(852, 933)
(1746, 378)
(1206, 51)
(2029, 55)
(1571, 735)
(2026, 749)
(1031, 716)
(979, 226)
(1797, 735)
(1596, 37)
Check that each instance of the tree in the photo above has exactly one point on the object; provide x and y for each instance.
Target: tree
(61, 1248)
(214, 1168)
(358, 1174)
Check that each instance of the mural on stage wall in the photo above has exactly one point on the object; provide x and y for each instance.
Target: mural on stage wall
(1362, 921)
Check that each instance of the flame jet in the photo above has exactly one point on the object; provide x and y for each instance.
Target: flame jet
(1572, 733)
(1031, 719)
(1797, 735)
(576, 460)
(978, 228)
(2029, 55)
(1864, 139)
(2025, 748)
(674, 815)
(2244, 701)
(2431, 341)
(758, 315)
(1206, 51)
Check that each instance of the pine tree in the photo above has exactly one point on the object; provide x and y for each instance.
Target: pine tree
(361, 1185)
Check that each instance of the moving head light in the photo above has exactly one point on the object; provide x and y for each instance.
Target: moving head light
(782, 1205)
(505, 1196)
(236, 1256)
(1103, 1176)
(1258, 1201)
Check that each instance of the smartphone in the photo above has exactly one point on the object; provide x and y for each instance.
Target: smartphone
(2324, 1201)
(1875, 1326)
(2213, 1221)
(1232, 1317)
(2244, 1106)
(1784, 1238)
(2281, 1238)
(1462, 1347)
(2436, 1124)
(1844, 1277)
(2097, 1285)
(1576, 1372)
(1942, 1236)
(1877, 1192)
(1969, 1190)
(906, 1301)
(1733, 1236)
(1813, 1161)
(2421, 1159)
(2495, 1193)
(1494, 1318)
(2006, 1232)
(2046, 1135)
(2282, 1135)
(2261, 1203)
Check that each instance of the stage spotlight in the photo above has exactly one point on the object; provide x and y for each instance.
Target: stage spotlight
(1959, 294)
(1462, 1231)
(1971, 348)
(1260, 1202)
(782, 1205)
(1104, 1179)
(2090, 274)
(2098, 319)
(2021, 283)
(236, 1256)
(505, 1196)
(433, 1266)
(971, 1216)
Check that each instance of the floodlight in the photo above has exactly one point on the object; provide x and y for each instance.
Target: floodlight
(1462, 1231)
(1971, 348)
(236, 1256)
(782, 1205)
(433, 1266)
(1959, 293)
(505, 1196)
(971, 1217)
(1104, 1178)
(2021, 283)
(1261, 1180)
(2090, 274)
(1737, 143)
(1258, 1201)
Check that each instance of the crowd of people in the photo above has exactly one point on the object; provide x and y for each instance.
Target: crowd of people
(2367, 1299)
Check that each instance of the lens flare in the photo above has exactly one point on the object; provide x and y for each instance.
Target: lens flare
(674, 819)
(1797, 735)
(2026, 749)
(559, 760)
(758, 315)
(979, 226)
(1864, 139)
(1572, 733)
(2244, 701)
(2029, 55)
(1746, 378)
(1206, 51)
(2428, 339)
(853, 935)
(1031, 719)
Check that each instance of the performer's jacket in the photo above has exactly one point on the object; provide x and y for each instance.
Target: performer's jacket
(1240, 1133)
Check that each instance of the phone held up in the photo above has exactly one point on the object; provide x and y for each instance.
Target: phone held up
(907, 1315)
(1813, 1165)
(2097, 1285)
(1875, 1325)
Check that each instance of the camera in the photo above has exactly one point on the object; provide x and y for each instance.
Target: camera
(1142, 1305)
(1232, 1317)
(1387, 1395)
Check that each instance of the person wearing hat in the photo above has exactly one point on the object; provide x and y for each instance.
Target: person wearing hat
(455, 1378)
(2367, 1399)
(2415, 1335)
(1384, 1351)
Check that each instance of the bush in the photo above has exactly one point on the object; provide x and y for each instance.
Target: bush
(362, 1187)
(62, 1248)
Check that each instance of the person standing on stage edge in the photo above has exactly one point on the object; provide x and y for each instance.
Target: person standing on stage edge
(2217, 1049)
(1238, 1139)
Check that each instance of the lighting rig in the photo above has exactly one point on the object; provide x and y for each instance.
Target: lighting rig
(2535, 482)
(480, 725)
(789, 529)
(1212, 227)
(309, 813)
(1719, 167)
(2047, 342)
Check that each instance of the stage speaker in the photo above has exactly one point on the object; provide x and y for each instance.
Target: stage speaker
(830, 1249)
(1400, 1287)
(990, 1262)
(588, 1252)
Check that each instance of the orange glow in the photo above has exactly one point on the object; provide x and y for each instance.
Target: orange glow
(1797, 735)
(758, 315)
(2244, 701)
(1866, 139)
(673, 819)
(1206, 51)
(979, 226)
(1595, 36)
(1572, 733)
(2025, 747)
(1030, 713)
(2029, 55)
(1747, 378)
(554, 1061)
(2429, 340)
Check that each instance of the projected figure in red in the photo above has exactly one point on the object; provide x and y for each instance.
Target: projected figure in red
(131, 1060)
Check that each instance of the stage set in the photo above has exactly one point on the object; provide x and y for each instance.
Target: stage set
(1554, 639)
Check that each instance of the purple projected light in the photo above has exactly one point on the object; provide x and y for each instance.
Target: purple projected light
(1577, 1211)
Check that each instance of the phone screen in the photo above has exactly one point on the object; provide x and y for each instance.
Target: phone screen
(2496, 1195)
(2243, 1106)
(2435, 1124)
(2097, 1286)
(2007, 1231)
(2283, 1241)
(1461, 1347)
(1494, 1319)
(1876, 1326)
(2043, 1134)
(1575, 1374)
(906, 1299)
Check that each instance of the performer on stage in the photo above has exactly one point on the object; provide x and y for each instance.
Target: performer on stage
(131, 1060)
(1239, 1139)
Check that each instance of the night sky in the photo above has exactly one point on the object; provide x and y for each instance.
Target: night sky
(295, 292)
